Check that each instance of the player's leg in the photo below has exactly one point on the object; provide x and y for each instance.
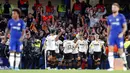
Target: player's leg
(19, 48)
(60, 61)
(70, 60)
(54, 59)
(121, 52)
(111, 57)
(84, 61)
(97, 57)
(79, 59)
(64, 61)
(74, 61)
(12, 48)
(111, 44)
(49, 59)
(79, 62)
(11, 59)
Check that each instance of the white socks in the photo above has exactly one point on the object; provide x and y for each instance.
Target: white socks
(17, 60)
(123, 56)
(111, 59)
(11, 60)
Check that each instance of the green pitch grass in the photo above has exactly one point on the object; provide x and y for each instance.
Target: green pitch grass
(62, 71)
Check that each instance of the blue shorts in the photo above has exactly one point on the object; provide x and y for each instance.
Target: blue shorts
(116, 41)
(15, 46)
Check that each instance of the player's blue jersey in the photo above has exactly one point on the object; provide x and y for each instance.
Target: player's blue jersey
(16, 28)
(116, 24)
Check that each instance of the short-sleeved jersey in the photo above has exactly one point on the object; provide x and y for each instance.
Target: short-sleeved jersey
(16, 28)
(76, 50)
(50, 42)
(68, 46)
(96, 46)
(82, 45)
(58, 43)
(116, 24)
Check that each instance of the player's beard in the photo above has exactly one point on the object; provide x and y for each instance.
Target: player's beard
(114, 12)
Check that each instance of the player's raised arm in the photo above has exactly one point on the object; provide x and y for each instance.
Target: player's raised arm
(59, 34)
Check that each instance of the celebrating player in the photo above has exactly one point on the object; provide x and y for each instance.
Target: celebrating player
(117, 27)
(68, 48)
(83, 47)
(51, 47)
(96, 49)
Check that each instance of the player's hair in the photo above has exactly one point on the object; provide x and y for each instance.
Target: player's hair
(18, 11)
(116, 4)
(52, 31)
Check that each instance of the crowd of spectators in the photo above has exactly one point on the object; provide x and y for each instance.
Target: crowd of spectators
(92, 20)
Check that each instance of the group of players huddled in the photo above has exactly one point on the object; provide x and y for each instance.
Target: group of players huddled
(74, 51)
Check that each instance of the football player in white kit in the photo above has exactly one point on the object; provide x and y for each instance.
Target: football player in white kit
(83, 48)
(59, 57)
(95, 48)
(75, 58)
(68, 48)
(51, 47)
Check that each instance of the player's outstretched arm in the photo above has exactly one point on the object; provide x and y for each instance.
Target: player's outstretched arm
(59, 34)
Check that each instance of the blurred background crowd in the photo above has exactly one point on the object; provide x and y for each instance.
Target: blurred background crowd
(82, 16)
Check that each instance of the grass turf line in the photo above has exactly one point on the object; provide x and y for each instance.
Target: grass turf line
(62, 71)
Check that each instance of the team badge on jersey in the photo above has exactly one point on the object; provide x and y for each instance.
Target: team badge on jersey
(19, 24)
(117, 19)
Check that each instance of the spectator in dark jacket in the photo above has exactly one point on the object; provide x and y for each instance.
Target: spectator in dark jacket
(7, 9)
(23, 6)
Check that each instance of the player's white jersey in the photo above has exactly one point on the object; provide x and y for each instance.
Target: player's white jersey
(75, 50)
(50, 42)
(68, 46)
(96, 46)
(82, 45)
(58, 43)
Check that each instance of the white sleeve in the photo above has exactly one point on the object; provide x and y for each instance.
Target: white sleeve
(86, 43)
(64, 44)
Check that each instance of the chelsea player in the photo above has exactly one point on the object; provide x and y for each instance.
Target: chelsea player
(117, 27)
(16, 29)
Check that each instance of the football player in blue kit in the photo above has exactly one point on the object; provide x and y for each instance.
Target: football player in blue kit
(16, 29)
(117, 27)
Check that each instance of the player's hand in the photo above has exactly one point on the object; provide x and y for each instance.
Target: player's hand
(21, 39)
(120, 35)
